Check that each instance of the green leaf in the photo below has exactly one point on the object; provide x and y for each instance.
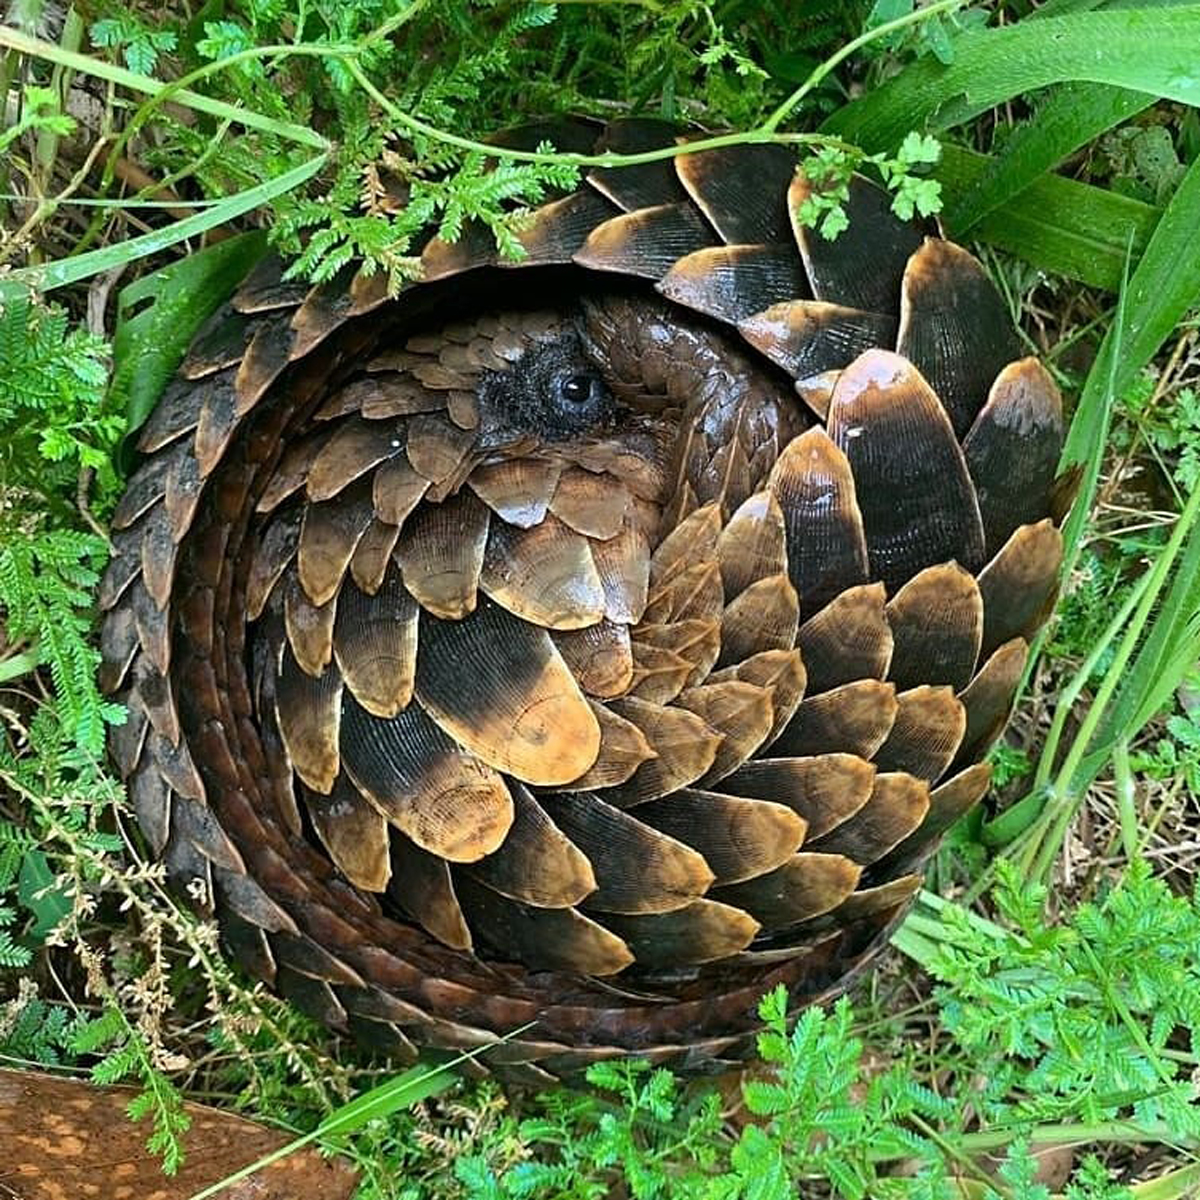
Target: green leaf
(1063, 227)
(158, 315)
(1148, 50)
(37, 892)
(1069, 118)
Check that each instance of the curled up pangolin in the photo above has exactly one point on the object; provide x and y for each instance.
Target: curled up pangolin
(596, 641)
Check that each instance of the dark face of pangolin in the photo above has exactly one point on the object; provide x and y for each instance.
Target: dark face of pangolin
(552, 394)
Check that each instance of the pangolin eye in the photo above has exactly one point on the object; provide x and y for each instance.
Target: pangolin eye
(576, 388)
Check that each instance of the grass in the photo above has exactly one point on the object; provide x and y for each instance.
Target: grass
(1055, 1005)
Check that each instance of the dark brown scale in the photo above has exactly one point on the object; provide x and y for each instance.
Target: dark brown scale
(741, 190)
(918, 505)
(731, 282)
(603, 660)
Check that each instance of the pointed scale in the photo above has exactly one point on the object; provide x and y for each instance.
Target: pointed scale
(824, 790)
(641, 184)
(763, 617)
(740, 712)
(328, 535)
(753, 544)
(692, 594)
(864, 266)
(660, 674)
(623, 748)
(854, 718)
(389, 394)
(354, 833)
(955, 328)
(600, 657)
(309, 627)
(809, 338)
(396, 489)
(703, 931)
(175, 414)
(875, 904)
(937, 627)
(290, 473)
(499, 687)
(145, 488)
(897, 805)
(782, 671)
(989, 697)
(275, 550)
(437, 448)
(517, 490)
(826, 550)
(375, 643)
(1019, 585)
(804, 886)
(124, 566)
(549, 939)
(730, 283)
(849, 639)
(591, 504)
(685, 746)
(215, 429)
(431, 789)
(1013, 448)
(646, 243)
(351, 451)
(693, 540)
(929, 727)
(947, 803)
(638, 869)
(696, 641)
(221, 342)
(373, 555)
(545, 575)
(556, 231)
(424, 889)
(440, 554)
(918, 503)
(739, 838)
(742, 190)
(537, 862)
(309, 712)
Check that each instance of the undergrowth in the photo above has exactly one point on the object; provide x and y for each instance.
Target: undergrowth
(1062, 1013)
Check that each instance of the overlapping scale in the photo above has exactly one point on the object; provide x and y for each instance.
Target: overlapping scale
(617, 730)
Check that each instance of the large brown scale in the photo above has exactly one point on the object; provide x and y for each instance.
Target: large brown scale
(597, 643)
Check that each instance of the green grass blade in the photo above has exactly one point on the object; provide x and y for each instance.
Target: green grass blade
(1164, 286)
(1167, 280)
(405, 1090)
(1148, 50)
(1070, 117)
(1062, 227)
(72, 270)
(85, 64)
(1164, 658)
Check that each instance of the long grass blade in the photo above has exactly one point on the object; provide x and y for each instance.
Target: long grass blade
(1070, 117)
(1142, 49)
(1060, 226)
(405, 1090)
(71, 270)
